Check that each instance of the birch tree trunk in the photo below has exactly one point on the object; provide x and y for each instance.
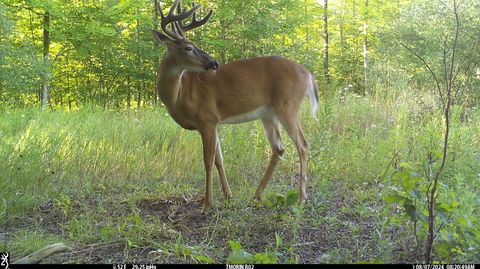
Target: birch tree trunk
(365, 51)
(326, 74)
(157, 60)
(46, 56)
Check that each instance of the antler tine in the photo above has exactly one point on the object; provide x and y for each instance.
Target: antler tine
(177, 24)
(172, 18)
(194, 24)
(163, 20)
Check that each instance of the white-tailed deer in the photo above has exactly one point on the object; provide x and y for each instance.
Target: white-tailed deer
(267, 88)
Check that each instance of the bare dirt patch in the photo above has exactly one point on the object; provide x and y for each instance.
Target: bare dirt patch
(183, 213)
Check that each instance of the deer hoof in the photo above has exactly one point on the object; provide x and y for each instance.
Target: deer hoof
(206, 209)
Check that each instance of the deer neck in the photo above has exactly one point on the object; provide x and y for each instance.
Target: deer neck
(169, 81)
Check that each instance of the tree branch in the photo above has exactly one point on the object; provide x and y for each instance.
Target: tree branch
(433, 194)
(457, 27)
(439, 89)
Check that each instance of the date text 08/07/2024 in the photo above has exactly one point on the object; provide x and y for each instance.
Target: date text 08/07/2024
(153, 266)
(443, 266)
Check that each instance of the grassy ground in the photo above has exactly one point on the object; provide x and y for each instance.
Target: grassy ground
(126, 186)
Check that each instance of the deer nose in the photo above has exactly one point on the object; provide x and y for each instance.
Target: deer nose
(213, 65)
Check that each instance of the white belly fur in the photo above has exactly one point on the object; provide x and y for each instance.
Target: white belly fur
(258, 113)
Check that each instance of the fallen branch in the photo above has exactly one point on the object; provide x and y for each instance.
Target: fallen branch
(43, 253)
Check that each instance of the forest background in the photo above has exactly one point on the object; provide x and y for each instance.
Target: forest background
(89, 156)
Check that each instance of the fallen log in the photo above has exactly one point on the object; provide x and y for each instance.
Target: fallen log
(42, 253)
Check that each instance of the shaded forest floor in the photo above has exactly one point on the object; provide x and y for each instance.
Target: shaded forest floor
(173, 230)
(127, 186)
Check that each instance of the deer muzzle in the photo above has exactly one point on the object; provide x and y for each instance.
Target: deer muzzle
(212, 65)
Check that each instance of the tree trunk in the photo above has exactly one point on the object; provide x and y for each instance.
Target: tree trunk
(356, 78)
(103, 96)
(155, 46)
(341, 26)
(139, 96)
(46, 56)
(307, 35)
(129, 97)
(325, 44)
(1, 81)
(107, 103)
(1, 90)
(222, 36)
(365, 50)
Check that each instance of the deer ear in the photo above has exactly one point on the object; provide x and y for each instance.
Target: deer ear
(161, 38)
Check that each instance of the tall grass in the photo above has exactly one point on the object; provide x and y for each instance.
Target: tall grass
(44, 153)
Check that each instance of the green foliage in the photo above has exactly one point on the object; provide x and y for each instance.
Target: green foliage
(204, 259)
(103, 52)
(239, 256)
(184, 252)
(64, 203)
(428, 29)
(410, 181)
(276, 200)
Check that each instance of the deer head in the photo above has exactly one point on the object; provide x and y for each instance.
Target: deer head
(180, 50)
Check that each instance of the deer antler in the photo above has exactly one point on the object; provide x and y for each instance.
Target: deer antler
(194, 24)
(178, 28)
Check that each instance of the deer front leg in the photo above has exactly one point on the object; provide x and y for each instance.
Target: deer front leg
(209, 141)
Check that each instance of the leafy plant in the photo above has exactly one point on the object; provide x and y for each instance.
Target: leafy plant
(277, 200)
(239, 256)
(64, 203)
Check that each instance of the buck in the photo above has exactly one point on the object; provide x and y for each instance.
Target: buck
(200, 95)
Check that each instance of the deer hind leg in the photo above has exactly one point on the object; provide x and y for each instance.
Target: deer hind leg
(295, 132)
(272, 131)
(221, 171)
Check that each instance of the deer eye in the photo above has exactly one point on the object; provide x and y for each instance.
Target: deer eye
(188, 48)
